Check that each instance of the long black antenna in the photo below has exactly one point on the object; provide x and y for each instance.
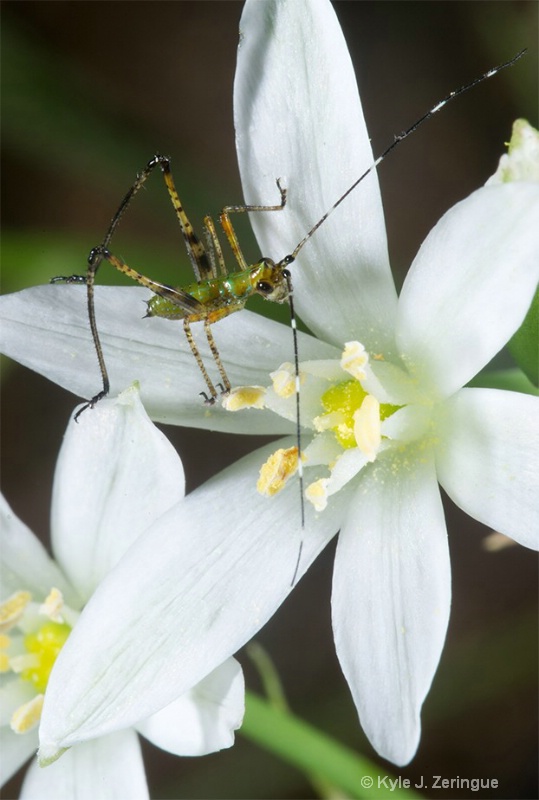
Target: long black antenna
(401, 136)
(290, 258)
(294, 327)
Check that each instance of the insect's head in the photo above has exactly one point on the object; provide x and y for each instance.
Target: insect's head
(272, 280)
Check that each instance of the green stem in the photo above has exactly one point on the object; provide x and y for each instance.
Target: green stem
(313, 752)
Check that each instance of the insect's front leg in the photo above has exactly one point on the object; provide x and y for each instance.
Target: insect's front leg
(228, 228)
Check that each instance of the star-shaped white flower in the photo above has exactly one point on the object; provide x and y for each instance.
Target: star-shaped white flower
(116, 474)
(217, 566)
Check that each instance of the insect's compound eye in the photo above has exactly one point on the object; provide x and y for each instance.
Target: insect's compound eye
(264, 287)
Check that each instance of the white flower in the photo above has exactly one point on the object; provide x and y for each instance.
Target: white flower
(298, 118)
(116, 474)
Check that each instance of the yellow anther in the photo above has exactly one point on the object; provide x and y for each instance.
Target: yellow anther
(27, 716)
(284, 380)
(4, 662)
(244, 397)
(354, 359)
(12, 609)
(367, 429)
(317, 494)
(330, 421)
(274, 474)
(52, 607)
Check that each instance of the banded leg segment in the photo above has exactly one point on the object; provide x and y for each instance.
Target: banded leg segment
(216, 357)
(189, 304)
(195, 250)
(230, 233)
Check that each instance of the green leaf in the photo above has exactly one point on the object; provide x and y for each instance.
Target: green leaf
(311, 751)
(524, 346)
(512, 380)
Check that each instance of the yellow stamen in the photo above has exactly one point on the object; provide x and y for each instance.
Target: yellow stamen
(12, 609)
(367, 430)
(329, 421)
(274, 474)
(28, 715)
(24, 661)
(244, 397)
(53, 605)
(284, 380)
(354, 359)
(317, 494)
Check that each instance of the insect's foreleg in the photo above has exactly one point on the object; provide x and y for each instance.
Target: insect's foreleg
(213, 240)
(139, 182)
(226, 224)
(194, 349)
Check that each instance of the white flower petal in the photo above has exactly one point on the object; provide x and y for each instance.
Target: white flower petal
(24, 562)
(521, 162)
(116, 474)
(204, 719)
(298, 117)
(391, 596)
(470, 285)
(488, 459)
(407, 423)
(15, 751)
(109, 768)
(189, 593)
(46, 329)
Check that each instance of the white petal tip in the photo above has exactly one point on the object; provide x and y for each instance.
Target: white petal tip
(48, 754)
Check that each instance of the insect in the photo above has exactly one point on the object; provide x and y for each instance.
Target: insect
(218, 291)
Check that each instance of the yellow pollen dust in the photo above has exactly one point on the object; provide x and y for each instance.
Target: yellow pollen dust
(44, 645)
(274, 474)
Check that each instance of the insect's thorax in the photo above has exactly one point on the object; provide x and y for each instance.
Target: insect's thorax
(222, 296)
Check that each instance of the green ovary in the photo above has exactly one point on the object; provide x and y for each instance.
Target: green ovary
(342, 400)
(44, 645)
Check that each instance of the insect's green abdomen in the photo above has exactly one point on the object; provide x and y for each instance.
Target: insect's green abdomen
(217, 296)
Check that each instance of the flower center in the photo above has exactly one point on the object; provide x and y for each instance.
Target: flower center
(342, 402)
(43, 647)
(36, 636)
(356, 407)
